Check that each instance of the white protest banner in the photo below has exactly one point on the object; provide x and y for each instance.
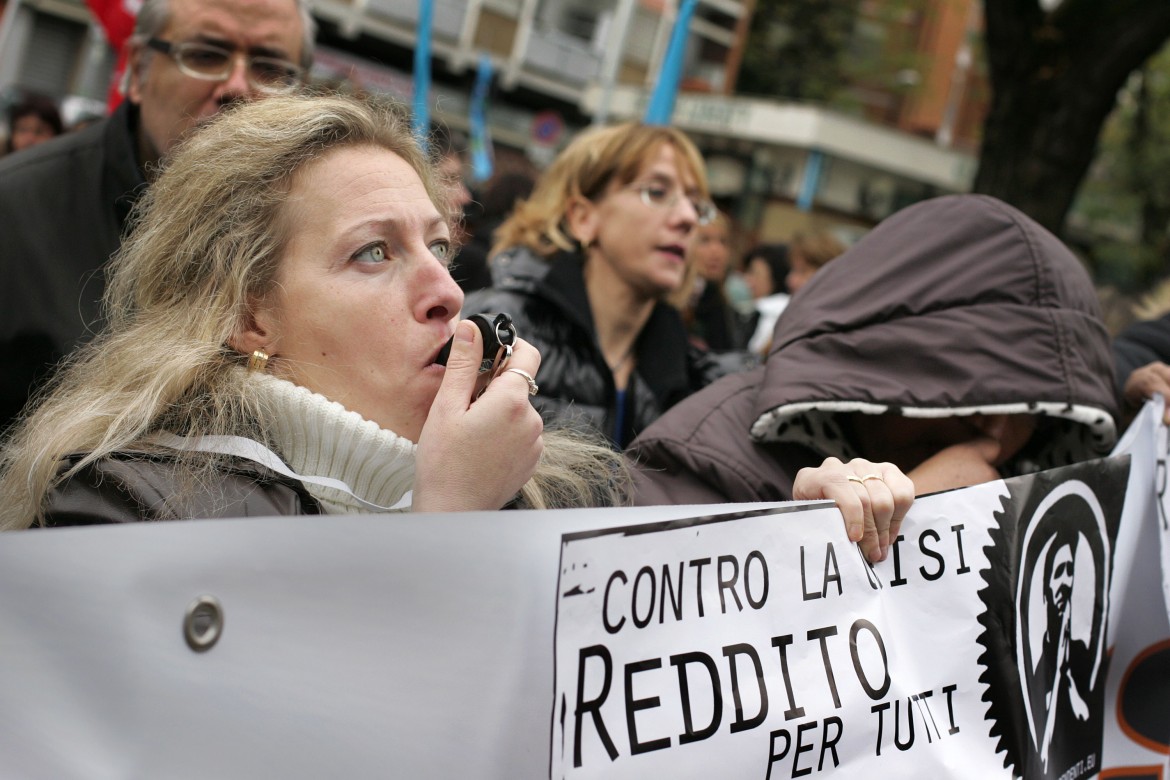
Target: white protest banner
(721, 647)
(453, 646)
(1137, 723)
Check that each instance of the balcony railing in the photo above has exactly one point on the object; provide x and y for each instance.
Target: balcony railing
(565, 56)
(448, 14)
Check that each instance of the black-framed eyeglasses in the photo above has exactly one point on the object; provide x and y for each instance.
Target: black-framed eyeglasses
(664, 197)
(208, 62)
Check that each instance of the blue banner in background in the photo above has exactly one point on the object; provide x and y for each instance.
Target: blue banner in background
(481, 138)
(662, 100)
(812, 180)
(421, 122)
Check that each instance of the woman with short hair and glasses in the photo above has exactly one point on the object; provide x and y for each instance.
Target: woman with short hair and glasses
(589, 267)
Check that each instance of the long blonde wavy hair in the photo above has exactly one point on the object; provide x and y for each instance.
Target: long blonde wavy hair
(208, 238)
(585, 169)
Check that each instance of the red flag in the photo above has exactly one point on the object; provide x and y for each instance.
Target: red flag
(117, 20)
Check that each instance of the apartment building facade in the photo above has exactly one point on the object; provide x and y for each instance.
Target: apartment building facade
(561, 65)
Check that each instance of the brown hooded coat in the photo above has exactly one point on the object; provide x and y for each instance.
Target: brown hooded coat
(957, 305)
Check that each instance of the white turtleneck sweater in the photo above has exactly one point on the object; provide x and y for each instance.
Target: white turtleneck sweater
(321, 438)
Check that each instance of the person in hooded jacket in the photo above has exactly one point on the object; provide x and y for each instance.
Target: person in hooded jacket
(958, 340)
(587, 267)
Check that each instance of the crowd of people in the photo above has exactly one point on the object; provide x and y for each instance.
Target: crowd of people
(240, 296)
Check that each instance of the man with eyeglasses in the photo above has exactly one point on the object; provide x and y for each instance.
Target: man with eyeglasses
(64, 205)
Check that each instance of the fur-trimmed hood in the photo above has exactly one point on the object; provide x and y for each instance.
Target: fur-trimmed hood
(958, 305)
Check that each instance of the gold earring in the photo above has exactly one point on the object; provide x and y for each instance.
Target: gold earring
(257, 361)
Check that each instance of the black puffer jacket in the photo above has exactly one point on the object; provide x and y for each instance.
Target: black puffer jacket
(548, 303)
(956, 306)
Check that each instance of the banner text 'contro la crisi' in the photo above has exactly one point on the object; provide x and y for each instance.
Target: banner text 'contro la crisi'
(673, 592)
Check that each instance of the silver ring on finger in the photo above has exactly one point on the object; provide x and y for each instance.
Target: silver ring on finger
(533, 388)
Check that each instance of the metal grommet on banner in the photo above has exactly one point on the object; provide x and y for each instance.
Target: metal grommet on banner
(203, 623)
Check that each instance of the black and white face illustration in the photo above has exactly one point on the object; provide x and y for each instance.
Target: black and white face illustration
(1061, 606)
(1047, 602)
(1060, 581)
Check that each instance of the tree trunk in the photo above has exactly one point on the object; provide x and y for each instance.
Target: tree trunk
(1054, 80)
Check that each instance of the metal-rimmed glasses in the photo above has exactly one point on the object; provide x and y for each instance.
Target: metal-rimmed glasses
(661, 196)
(209, 62)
